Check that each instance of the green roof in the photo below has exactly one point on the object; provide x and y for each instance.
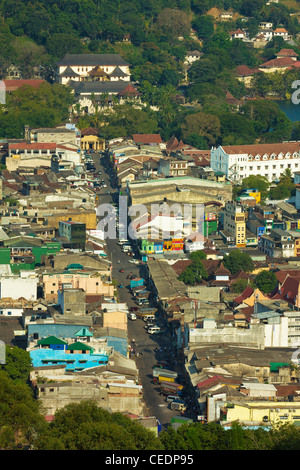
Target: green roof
(75, 266)
(51, 340)
(84, 332)
(78, 346)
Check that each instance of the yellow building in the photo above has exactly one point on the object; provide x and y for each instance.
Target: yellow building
(235, 223)
(264, 412)
(91, 141)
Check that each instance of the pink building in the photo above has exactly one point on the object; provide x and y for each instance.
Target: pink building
(91, 283)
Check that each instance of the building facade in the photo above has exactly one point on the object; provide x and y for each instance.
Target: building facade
(269, 160)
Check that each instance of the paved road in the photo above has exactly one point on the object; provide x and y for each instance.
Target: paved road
(150, 348)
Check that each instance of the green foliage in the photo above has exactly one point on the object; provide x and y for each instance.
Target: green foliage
(18, 364)
(46, 106)
(238, 260)
(239, 286)
(128, 120)
(266, 281)
(257, 182)
(285, 188)
(195, 272)
(85, 426)
(19, 413)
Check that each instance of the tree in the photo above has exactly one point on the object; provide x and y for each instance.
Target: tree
(60, 44)
(18, 364)
(237, 260)
(85, 426)
(257, 182)
(239, 286)
(20, 418)
(173, 23)
(206, 125)
(198, 255)
(194, 273)
(127, 120)
(266, 281)
(204, 25)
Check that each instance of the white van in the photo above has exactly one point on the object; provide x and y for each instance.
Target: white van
(154, 330)
(132, 316)
(171, 398)
(149, 317)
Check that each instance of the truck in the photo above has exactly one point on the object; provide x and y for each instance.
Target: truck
(164, 373)
(170, 388)
(178, 405)
(160, 379)
(144, 294)
(137, 282)
(148, 311)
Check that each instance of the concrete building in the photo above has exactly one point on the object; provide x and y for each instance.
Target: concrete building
(72, 234)
(185, 190)
(100, 67)
(71, 301)
(20, 285)
(63, 135)
(270, 160)
(235, 223)
(92, 283)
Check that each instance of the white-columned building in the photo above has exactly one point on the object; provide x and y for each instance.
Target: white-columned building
(270, 160)
(81, 67)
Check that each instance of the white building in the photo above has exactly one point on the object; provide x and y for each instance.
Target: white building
(270, 160)
(24, 285)
(80, 67)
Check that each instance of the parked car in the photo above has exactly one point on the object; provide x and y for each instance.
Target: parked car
(121, 271)
(154, 330)
(132, 316)
(171, 398)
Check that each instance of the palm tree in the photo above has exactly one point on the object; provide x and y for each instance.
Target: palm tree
(286, 176)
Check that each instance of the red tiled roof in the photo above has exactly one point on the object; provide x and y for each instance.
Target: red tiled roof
(282, 275)
(147, 138)
(262, 149)
(245, 295)
(289, 290)
(280, 62)
(129, 90)
(12, 85)
(215, 380)
(238, 31)
(244, 71)
(247, 312)
(33, 146)
(287, 53)
(90, 131)
(222, 270)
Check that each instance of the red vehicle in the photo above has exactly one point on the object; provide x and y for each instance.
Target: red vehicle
(134, 309)
(121, 270)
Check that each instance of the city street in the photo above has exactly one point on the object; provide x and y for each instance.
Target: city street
(149, 348)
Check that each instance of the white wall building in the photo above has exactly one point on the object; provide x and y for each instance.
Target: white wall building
(17, 286)
(270, 160)
(77, 67)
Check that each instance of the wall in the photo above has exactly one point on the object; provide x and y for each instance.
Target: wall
(15, 287)
(254, 336)
(92, 285)
(55, 396)
(115, 320)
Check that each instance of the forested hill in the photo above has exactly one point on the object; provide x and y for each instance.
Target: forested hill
(72, 26)
(155, 36)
